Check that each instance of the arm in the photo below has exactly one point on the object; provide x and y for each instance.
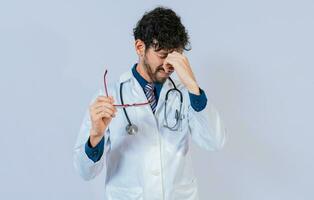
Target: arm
(86, 162)
(84, 165)
(206, 127)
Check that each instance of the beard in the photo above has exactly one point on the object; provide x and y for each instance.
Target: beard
(153, 74)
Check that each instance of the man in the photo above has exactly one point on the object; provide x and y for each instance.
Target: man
(144, 149)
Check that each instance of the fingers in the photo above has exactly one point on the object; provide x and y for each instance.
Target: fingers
(108, 110)
(103, 114)
(175, 60)
(102, 100)
(103, 107)
(108, 99)
(168, 65)
(177, 56)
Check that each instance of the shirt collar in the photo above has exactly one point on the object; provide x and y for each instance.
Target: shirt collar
(138, 77)
(143, 82)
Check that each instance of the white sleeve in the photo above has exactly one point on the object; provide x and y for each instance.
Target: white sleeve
(206, 127)
(87, 168)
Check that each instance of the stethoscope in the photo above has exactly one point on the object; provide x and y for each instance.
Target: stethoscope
(132, 129)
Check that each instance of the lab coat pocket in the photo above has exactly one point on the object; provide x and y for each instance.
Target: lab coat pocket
(175, 119)
(124, 193)
(186, 191)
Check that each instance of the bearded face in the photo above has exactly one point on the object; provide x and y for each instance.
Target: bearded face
(154, 65)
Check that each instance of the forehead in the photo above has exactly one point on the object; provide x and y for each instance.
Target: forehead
(165, 51)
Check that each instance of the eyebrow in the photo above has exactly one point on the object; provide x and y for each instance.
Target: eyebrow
(162, 53)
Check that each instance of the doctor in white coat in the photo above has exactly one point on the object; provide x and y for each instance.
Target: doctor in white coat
(138, 129)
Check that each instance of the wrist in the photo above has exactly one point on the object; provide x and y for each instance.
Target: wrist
(94, 139)
(194, 89)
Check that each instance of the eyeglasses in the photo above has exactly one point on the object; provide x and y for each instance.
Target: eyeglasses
(122, 105)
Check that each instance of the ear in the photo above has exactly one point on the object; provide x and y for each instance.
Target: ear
(139, 47)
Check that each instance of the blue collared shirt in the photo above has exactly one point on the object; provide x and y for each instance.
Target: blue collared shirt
(198, 103)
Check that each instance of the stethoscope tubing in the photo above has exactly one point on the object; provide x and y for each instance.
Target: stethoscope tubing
(131, 127)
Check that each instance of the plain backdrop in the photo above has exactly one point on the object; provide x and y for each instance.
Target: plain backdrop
(254, 59)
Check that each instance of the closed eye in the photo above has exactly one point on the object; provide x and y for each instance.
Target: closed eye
(163, 57)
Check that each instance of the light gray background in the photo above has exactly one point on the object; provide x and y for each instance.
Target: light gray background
(254, 59)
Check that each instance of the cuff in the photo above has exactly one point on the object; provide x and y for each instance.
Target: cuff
(95, 153)
(198, 102)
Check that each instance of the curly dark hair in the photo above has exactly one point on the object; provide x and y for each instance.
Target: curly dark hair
(161, 28)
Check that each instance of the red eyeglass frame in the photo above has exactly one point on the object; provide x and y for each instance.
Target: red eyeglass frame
(122, 105)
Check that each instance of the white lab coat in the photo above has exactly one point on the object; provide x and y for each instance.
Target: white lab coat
(156, 162)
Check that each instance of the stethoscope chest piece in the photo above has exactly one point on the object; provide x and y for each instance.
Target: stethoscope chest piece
(131, 129)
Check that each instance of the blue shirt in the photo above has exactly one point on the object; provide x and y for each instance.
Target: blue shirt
(198, 103)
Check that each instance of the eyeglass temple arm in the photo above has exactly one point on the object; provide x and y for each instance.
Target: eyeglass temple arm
(105, 82)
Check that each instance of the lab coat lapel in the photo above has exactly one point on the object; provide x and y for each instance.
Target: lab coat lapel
(165, 87)
(137, 91)
(138, 96)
